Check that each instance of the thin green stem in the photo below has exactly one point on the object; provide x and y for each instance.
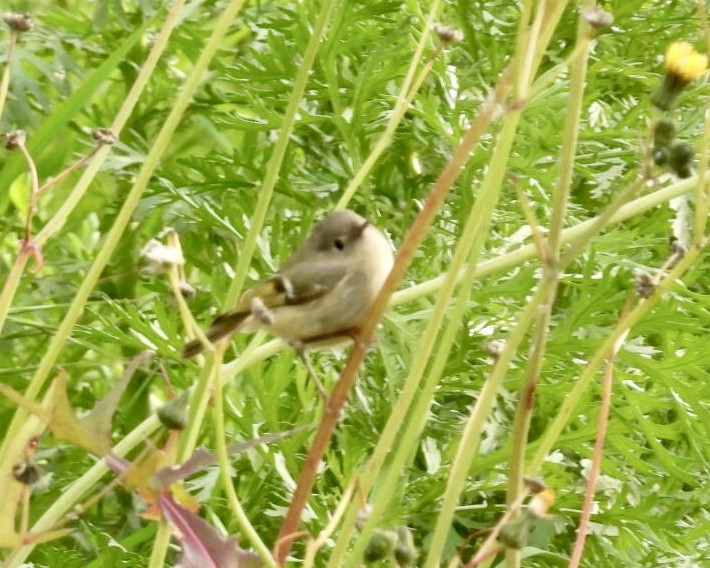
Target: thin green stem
(109, 245)
(34, 193)
(225, 469)
(411, 386)
(574, 396)
(404, 99)
(12, 281)
(72, 494)
(161, 540)
(570, 136)
(273, 168)
(5, 81)
(524, 411)
(46, 186)
(703, 186)
(582, 232)
(488, 198)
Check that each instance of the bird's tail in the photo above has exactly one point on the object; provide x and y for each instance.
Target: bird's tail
(221, 327)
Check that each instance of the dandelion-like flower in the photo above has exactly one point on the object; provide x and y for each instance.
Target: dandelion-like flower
(683, 64)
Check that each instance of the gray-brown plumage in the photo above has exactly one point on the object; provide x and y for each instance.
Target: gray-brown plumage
(324, 290)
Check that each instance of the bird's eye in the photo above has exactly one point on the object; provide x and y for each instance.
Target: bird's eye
(339, 243)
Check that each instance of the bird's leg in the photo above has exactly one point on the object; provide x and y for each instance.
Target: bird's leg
(300, 348)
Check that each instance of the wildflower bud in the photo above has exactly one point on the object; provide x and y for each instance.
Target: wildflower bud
(173, 414)
(14, 139)
(381, 545)
(598, 18)
(26, 472)
(18, 22)
(186, 290)
(514, 534)
(104, 136)
(682, 65)
(680, 159)
(363, 514)
(495, 347)
(664, 133)
(159, 256)
(643, 283)
(447, 34)
(405, 553)
(660, 156)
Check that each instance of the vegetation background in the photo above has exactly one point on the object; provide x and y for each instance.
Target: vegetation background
(233, 167)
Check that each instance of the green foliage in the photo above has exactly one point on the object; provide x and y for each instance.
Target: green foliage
(72, 72)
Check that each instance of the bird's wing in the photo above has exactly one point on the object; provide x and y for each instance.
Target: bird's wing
(307, 281)
(298, 284)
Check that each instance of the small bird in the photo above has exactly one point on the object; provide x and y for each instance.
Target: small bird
(321, 293)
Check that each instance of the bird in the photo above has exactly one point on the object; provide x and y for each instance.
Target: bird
(322, 292)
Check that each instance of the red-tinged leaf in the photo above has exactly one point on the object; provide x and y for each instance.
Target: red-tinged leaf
(141, 473)
(202, 545)
(202, 458)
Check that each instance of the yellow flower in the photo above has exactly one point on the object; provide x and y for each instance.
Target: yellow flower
(684, 62)
(683, 65)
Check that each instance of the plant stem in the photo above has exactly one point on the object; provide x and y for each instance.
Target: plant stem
(5, 81)
(274, 166)
(574, 396)
(225, 468)
(593, 475)
(404, 99)
(407, 249)
(550, 281)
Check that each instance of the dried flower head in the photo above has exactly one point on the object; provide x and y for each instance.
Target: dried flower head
(447, 34)
(664, 133)
(643, 283)
(514, 533)
(173, 414)
(104, 136)
(598, 18)
(381, 545)
(159, 256)
(363, 515)
(18, 22)
(14, 139)
(495, 347)
(187, 291)
(26, 472)
(405, 553)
